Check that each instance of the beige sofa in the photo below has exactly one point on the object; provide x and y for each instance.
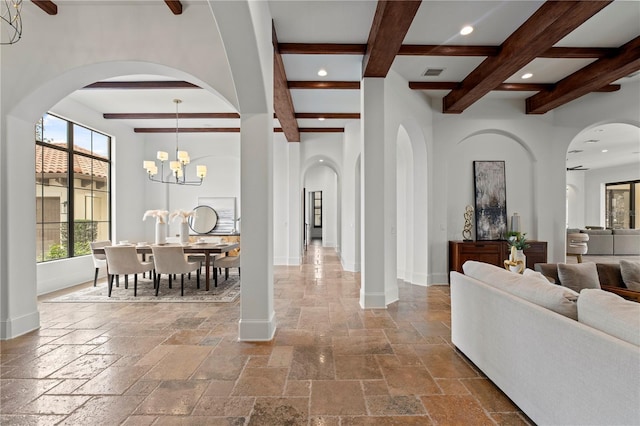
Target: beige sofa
(558, 370)
(613, 242)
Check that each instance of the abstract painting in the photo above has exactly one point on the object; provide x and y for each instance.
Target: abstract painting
(491, 200)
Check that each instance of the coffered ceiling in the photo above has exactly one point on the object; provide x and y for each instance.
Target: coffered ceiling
(573, 49)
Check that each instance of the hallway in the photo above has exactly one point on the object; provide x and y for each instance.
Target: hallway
(331, 363)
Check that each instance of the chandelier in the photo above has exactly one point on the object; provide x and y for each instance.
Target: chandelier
(11, 20)
(178, 166)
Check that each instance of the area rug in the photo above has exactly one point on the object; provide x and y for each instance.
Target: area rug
(226, 292)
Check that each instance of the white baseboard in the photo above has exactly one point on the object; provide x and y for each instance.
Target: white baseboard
(373, 300)
(439, 278)
(15, 327)
(257, 330)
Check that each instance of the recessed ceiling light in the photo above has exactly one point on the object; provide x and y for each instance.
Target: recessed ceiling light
(466, 30)
(322, 72)
(605, 150)
(526, 76)
(321, 118)
(321, 161)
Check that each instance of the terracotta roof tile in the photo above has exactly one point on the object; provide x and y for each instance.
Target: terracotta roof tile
(55, 161)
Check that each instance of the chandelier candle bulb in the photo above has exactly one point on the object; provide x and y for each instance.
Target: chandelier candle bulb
(201, 171)
(163, 156)
(148, 165)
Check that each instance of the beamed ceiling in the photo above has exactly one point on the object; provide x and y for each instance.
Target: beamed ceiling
(573, 49)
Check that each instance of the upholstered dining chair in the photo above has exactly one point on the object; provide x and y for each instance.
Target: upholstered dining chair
(123, 260)
(99, 260)
(577, 245)
(171, 260)
(225, 263)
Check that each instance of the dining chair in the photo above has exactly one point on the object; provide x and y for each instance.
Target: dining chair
(99, 260)
(171, 260)
(123, 260)
(225, 263)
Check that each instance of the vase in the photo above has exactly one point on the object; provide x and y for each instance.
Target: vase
(521, 256)
(161, 233)
(184, 233)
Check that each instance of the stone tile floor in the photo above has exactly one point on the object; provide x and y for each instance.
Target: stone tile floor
(331, 363)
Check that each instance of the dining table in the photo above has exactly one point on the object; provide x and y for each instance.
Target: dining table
(205, 248)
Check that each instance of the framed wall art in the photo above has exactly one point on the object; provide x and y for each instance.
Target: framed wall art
(491, 200)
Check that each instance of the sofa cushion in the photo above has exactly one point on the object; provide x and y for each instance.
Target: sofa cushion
(537, 275)
(535, 290)
(599, 232)
(626, 232)
(549, 270)
(609, 274)
(578, 276)
(630, 272)
(610, 314)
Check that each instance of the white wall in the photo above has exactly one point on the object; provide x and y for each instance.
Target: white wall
(280, 200)
(323, 178)
(350, 254)
(576, 206)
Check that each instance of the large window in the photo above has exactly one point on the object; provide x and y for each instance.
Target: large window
(621, 203)
(72, 203)
(317, 209)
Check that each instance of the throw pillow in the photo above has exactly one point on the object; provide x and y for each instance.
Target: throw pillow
(610, 314)
(630, 271)
(556, 298)
(578, 276)
(537, 275)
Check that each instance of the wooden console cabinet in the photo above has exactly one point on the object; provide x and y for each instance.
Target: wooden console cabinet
(493, 252)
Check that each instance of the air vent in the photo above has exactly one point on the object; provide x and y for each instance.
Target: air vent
(432, 72)
(575, 151)
(592, 141)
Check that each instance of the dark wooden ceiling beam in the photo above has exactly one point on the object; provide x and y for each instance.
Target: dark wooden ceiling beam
(316, 130)
(548, 25)
(186, 130)
(230, 130)
(514, 87)
(282, 102)
(597, 74)
(167, 115)
(48, 6)
(142, 85)
(390, 24)
(440, 50)
(340, 85)
(175, 6)
(329, 115)
(321, 49)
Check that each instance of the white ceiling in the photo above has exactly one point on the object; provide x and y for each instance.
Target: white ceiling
(437, 22)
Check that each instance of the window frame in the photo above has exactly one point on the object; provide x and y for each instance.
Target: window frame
(72, 189)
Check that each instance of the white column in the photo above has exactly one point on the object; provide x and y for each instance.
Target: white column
(257, 316)
(18, 290)
(372, 291)
(295, 206)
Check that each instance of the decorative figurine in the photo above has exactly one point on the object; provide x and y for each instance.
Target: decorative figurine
(468, 215)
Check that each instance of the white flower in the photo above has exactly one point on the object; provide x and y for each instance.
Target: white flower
(183, 214)
(160, 215)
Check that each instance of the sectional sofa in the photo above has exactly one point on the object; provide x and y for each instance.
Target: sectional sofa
(611, 242)
(562, 357)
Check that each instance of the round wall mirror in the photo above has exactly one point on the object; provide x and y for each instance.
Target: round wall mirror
(204, 219)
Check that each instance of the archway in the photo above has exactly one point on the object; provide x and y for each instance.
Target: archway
(19, 277)
(605, 152)
(411, 204)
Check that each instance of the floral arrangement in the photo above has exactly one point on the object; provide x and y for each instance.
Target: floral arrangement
(183, 214)
(518, 241)
(160, 215)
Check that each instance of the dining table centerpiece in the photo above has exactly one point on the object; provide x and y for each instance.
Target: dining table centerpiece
(161, 224)
(184, 216)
